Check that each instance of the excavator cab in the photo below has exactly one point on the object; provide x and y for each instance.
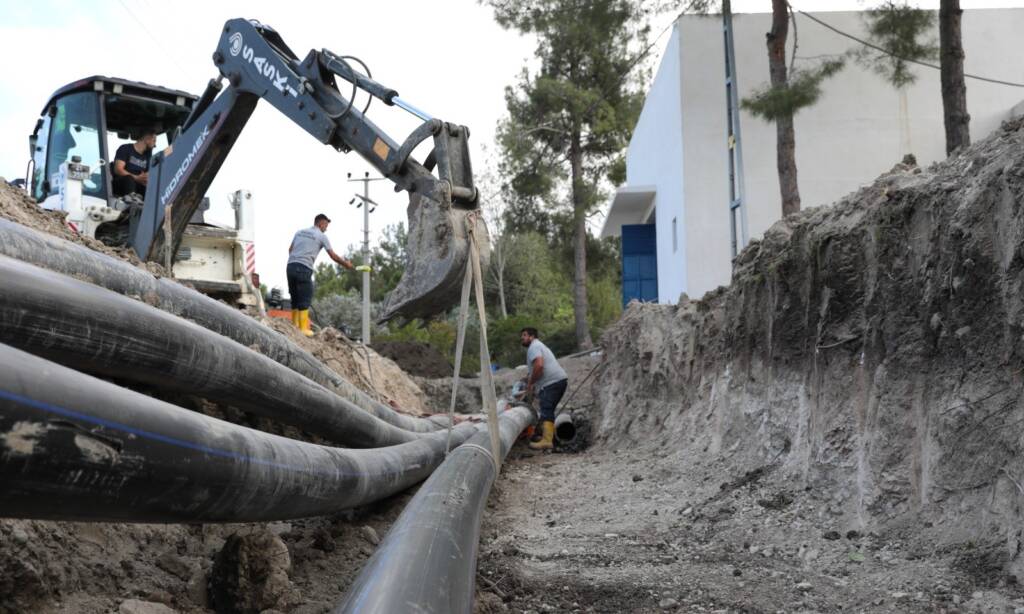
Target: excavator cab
(79, 130)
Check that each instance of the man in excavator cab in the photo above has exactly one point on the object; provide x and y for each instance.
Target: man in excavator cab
(131, 164)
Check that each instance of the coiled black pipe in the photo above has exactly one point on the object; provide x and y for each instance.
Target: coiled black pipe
(62, 256)
(73, 447)
(97, 331)
(427, 562)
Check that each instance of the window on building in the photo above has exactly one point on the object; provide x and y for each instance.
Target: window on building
(675, 240)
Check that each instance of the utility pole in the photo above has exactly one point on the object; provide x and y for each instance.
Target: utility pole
(737, 202)
(365, 203)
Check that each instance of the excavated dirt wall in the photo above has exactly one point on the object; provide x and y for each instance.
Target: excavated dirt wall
(869, 350)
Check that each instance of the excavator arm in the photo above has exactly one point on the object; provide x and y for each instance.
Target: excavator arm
(257, 65)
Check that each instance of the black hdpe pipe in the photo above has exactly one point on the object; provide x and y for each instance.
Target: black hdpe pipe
(73, 447)
(62, 256)
(427, 562)
(97, 331)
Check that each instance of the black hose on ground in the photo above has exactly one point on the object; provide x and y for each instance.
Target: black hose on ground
(64, 257)
(428, 558)
(97, 331)
(73, 447)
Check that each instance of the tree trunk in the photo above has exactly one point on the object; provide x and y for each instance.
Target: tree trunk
(579, 303)
(785, 139)
(954, 90)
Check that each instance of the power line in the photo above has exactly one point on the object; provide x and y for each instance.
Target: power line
(167, 53)
(898, 57)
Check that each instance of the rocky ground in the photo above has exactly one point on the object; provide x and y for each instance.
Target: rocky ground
(668, 529)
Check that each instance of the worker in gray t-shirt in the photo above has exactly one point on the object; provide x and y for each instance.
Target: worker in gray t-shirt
(302, 255)
(547, 379)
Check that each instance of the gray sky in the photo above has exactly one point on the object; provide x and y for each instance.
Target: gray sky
(446, 56)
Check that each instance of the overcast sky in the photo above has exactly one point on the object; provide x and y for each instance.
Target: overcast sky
(446, 56)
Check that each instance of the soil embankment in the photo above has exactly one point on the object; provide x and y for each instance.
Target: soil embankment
(838, 430)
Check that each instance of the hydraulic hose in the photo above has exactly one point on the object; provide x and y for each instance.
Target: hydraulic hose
(97, 331)
(73, 447)
(62, 256)
(429, 556)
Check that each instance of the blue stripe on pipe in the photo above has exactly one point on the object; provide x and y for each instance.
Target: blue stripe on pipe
(69, 413)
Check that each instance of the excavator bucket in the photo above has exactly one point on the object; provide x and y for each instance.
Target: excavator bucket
(437, 253)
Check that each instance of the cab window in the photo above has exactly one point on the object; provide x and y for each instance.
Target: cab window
(74, 132)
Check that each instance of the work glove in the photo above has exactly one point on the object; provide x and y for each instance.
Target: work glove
(364, 268)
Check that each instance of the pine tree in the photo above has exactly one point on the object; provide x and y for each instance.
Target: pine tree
(902, 31)
(954, 89)
(570, 121)
(789, 90)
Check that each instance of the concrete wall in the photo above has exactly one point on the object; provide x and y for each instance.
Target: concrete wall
(859, 128)
(655, 157)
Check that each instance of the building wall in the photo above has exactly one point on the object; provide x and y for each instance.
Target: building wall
(655, 157)
(859, 128)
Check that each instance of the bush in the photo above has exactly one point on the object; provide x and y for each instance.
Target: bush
(345, 312)
(441, 335)
(507, 350)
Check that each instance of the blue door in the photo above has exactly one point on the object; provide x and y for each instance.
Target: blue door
(639, 263)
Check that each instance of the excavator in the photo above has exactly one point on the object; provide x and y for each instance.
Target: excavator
(70, 153)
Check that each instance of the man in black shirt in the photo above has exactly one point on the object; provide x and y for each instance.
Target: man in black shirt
(131, 164)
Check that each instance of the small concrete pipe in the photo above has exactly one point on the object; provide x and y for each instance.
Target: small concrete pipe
(565, 430)
(100, 332)
(64, 257)
(427, 561)
(73, 447)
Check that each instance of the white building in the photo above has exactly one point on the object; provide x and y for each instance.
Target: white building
(861, 126)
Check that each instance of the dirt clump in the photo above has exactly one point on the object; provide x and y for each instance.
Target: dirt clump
(420, 359)
(250, 574)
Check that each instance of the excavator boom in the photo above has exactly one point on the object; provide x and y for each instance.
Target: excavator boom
(257, 65)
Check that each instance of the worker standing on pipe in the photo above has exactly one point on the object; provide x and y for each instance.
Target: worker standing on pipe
(302, 254)
(547, 380)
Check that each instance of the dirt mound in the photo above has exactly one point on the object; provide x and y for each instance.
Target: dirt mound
(16, 206)
(95, 567)
(869, 350)
(377, 375)
(420, 359)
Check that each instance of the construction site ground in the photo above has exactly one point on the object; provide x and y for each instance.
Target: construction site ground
(648, 530)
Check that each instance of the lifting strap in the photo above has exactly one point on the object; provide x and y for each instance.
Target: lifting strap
(474, 277)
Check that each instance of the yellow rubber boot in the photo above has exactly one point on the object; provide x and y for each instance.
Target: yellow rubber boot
(304, 324)
(547, 438)
(295, 318)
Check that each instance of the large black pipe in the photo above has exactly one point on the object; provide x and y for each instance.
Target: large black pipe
(97, 331)
(62, 256)
(73, 447)
(427, 562)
